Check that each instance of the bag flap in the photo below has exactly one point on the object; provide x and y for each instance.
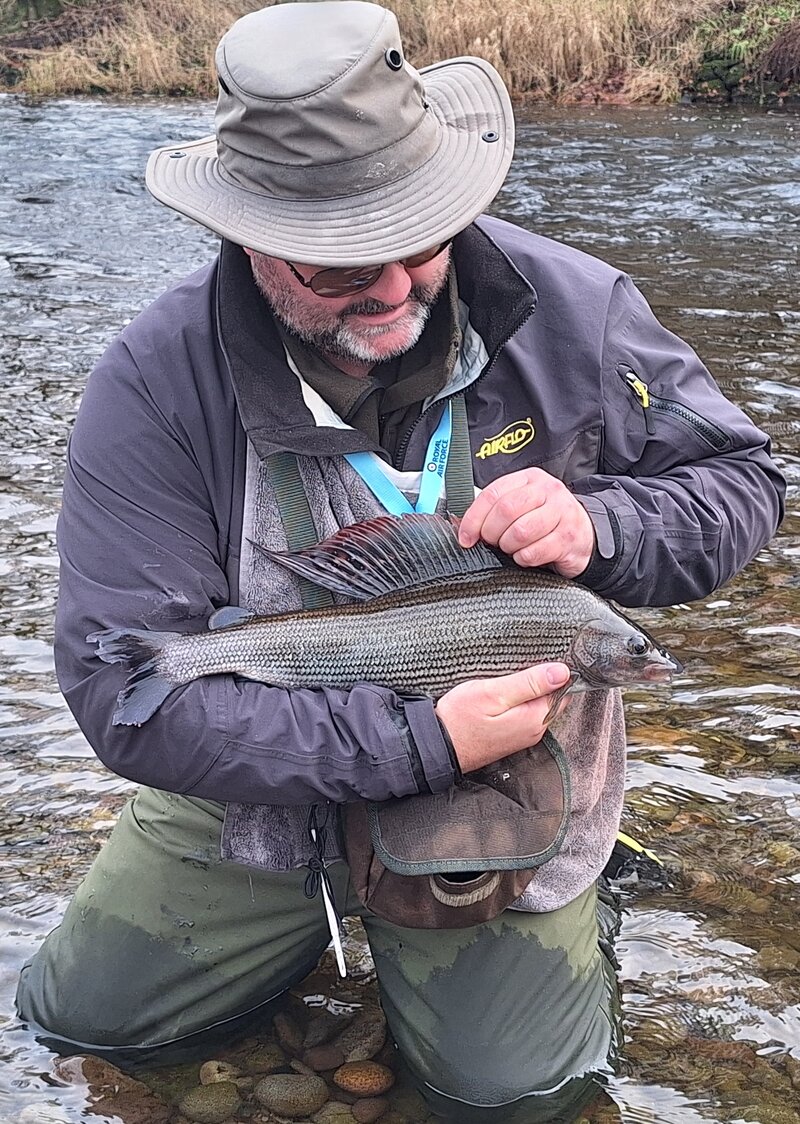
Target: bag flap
(510, 815)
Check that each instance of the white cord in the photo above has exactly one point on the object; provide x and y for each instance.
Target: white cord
(333, 920)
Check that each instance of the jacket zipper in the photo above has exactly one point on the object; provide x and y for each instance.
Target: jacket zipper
(649, 402)
(403, 446)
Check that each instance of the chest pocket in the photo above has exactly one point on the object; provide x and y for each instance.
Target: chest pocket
(579, 457)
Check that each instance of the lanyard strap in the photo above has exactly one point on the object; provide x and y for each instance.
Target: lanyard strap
(367, 465)
(453, 461)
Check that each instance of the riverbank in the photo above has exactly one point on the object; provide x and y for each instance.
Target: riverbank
(564, 51)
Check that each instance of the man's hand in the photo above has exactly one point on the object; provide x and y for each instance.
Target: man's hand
(488, 719)
(533, 517)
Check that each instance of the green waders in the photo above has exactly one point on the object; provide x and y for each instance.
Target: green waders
(163, 941)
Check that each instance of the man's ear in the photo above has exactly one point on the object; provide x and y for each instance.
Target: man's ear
(248, 251)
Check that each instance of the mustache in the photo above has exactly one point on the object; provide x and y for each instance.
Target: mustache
(419, 294)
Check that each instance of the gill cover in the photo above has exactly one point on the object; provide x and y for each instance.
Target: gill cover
(588, 653)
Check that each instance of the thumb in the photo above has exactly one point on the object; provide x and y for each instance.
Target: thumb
(530, 683)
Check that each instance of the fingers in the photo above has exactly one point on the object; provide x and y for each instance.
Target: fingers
(531, 540)
(519, 515)
(527, 723)
(497, 506)
(533, 517)
(509, 691)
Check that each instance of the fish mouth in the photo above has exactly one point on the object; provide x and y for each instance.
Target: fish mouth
(663, 672)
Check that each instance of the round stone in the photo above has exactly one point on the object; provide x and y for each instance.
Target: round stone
(370, 1109)
(212, 1072)
(364, 1079)
(323, 1057)
(292, 1094)
(263, 1058)
(211, 1104)
(364, 1038)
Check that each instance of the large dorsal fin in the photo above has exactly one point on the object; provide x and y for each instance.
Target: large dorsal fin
(385, 554)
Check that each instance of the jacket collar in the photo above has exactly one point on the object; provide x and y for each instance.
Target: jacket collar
(268, 392)
(500, 298)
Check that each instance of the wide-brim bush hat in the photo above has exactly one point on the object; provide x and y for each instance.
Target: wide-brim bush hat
(330, 148)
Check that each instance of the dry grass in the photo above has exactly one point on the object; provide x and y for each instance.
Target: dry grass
(153, 46)
(781, 63)
(644, 49)
(553, 46)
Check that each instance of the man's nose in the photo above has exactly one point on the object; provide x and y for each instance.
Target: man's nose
(393, 285)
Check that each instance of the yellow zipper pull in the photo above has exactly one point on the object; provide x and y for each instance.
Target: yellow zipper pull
(642, 392)
(639, 388)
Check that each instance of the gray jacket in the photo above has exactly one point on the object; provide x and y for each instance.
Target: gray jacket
(677, 480)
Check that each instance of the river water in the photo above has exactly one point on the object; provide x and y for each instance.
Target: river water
(703, 209)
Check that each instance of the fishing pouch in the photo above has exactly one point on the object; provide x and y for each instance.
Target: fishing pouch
(449, 860)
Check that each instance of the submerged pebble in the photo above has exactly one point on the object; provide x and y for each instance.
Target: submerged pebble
(392, 1116)
(370, 1110)
(793, 1069)
(324, 1026)
(364, 1038)
(719, 1051)
(775, 958)
(768, 1114)
(364, 1079)
(292, 1094)
(263, 1058)
(112, 1092)
(211, 1104)
(212, 1072)
(334, 1112)
(289, 1033)
(411, 1104)
(324, 1057)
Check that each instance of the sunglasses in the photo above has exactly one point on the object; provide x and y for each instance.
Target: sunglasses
(347, 280)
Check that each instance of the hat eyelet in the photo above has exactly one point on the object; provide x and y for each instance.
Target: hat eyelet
(490, 136)
(394, 60)
(176, 155)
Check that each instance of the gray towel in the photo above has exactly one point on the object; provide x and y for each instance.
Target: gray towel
(276, 837)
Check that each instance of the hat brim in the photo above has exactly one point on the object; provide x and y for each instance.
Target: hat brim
(396, 220)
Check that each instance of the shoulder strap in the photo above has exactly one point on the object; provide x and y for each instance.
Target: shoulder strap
(297, 522)
(458, 479)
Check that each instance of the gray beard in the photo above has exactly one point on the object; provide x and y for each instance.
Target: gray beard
(341, 340)
(346, 343)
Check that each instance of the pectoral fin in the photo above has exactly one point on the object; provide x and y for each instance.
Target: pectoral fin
(229, 616)
(571, 685)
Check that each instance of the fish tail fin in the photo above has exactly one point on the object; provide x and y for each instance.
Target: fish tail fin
(146, 687)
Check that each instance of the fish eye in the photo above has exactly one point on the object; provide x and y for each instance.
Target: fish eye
(637, 646)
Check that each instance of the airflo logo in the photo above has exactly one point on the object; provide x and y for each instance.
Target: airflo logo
(513, 438)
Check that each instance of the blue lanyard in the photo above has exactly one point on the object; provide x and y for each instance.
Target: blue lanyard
(430, 489)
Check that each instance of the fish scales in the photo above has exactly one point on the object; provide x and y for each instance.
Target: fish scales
(423, 642)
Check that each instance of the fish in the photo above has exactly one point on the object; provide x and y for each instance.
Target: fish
(424, 614)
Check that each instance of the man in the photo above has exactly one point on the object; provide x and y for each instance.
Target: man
(358, 294)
